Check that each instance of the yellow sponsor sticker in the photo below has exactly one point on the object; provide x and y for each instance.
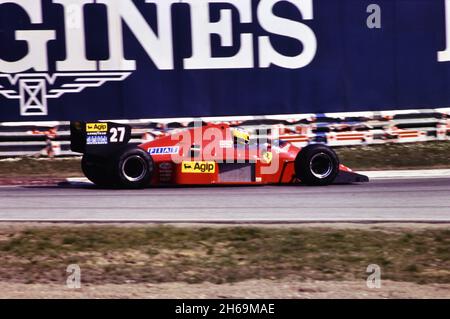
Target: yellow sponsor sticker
(96, 127)
(198, 167)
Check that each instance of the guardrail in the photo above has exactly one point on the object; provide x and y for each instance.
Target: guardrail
(335, 129)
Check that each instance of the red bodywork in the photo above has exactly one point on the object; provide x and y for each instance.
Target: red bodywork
(234, 163)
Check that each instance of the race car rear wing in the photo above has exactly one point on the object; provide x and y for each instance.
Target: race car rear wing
(100, 138)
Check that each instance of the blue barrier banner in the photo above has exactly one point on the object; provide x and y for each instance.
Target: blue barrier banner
(124, 59)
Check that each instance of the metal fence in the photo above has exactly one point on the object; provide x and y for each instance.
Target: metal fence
(335, 129)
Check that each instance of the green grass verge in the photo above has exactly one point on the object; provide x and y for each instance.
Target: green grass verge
(32, 167)
(397, 156)
(110, 254)
(394, 156)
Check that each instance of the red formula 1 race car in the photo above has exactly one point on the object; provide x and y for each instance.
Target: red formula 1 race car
(205, 154)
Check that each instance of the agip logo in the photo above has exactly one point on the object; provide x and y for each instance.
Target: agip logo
(198, 167)
(96, 127)
(28, 79)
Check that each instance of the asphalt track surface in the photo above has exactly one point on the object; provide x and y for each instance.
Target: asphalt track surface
(425, 200)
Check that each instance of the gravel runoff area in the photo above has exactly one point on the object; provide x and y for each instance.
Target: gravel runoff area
(258, 289)
(184, 260)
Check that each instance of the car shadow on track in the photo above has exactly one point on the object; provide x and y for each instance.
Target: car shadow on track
(86, 185)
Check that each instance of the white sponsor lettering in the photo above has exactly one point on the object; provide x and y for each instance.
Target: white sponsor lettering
(75, 39)
(36, 58)
(202, 29)
(288, 28)
(29, 80)
(164, 150)
(159, 49)
(158, 44)
(97, 140)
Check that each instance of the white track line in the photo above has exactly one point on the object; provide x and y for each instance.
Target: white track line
(405, 174)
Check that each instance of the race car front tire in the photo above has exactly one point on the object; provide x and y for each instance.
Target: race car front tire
(98, 170)
(317, 165)
(134, 168)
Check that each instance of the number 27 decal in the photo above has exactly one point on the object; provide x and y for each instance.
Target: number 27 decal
(117, 134)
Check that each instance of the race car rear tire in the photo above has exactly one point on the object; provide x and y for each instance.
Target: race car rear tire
(98, 170)
(317, 165)
(134, 168)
